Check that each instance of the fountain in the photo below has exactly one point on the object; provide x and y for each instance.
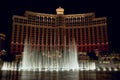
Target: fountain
(9, 66)
(53, 59)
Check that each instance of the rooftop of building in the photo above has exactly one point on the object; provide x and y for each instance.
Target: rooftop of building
(59, 11)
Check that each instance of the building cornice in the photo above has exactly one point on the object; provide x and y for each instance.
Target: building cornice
(100, 18)
(80, 15)
(16, 16)
(38, 14)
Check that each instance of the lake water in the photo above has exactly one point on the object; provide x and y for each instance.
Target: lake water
(60, 75)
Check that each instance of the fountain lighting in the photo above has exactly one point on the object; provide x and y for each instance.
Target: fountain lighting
(104, 69)
(13, 67)
(54, 59)
(115, 69)
(109, 69)
(98, 69)
(9, 66)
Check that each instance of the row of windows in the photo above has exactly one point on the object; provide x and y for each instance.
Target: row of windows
(78, 19)
(49, 21)
(103, 21)
(27, 28)
(44, 46)
(90, 48)
(71, 23)
(60, 40)
(32, 17)
(41, 17)
(19, 48)
(82, 34)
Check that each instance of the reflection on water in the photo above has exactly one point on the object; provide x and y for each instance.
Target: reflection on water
(61, 75)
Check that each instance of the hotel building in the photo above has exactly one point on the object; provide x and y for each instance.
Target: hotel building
(59, 30)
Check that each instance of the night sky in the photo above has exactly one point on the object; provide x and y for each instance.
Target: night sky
(102, 8)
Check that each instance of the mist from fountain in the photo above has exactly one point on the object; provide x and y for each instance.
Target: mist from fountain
(9, 66)
(53, 59)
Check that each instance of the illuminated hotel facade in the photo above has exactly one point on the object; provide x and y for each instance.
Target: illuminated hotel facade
(59, 30)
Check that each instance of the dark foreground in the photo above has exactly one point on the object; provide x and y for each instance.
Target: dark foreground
(60, 75)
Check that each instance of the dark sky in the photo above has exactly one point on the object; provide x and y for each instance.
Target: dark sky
(108, 8)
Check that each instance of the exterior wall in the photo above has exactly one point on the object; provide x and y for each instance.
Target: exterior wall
(50, 31)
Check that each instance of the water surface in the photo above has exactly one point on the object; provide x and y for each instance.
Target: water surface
(60, 75)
